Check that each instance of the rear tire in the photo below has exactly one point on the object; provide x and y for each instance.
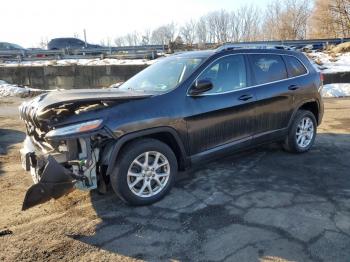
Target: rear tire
(302, 133)
(145, 172)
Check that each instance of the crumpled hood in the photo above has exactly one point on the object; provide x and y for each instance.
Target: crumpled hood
(55, 98)
(55, 106)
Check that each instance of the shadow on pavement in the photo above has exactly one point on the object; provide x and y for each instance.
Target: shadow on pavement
(8, 137)
(260, 204)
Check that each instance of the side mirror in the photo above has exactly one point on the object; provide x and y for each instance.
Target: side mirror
(201, 86)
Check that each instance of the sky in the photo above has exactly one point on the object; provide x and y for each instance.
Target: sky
(26, 22)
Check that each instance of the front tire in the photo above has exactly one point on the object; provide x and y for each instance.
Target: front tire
(145, 172)
(302, 133)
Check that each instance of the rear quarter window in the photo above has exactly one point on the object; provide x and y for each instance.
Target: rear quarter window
(268, 68)
(295, 67)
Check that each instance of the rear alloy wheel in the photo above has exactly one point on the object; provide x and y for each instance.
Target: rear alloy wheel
(305, 132)
(302, 132)
(145, 172)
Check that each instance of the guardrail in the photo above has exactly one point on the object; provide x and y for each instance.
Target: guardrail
(131, 52)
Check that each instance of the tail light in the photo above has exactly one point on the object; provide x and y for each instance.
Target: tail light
(321, 84)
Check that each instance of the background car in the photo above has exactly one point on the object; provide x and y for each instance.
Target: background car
(69, 42)
(4, 46)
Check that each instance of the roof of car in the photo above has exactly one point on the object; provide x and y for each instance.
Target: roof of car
(64, 39)
(204, 53)
(208, 53)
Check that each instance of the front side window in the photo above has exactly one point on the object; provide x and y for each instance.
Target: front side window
(227, 74)
(268, 68)
(162, 76)
(296, 68)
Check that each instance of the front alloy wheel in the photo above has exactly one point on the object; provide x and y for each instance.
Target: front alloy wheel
(145, 172)
(148, 174)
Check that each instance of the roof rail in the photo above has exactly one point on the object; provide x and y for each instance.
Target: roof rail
(231, 46)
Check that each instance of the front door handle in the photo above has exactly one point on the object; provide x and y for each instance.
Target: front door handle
(245, 97)
(293, 87)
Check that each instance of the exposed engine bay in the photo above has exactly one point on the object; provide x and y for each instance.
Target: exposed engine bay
(64, 149)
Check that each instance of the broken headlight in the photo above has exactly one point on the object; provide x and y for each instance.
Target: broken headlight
(74, 129)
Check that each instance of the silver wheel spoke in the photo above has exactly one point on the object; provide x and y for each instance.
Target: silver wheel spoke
(137, 162)
(146, 159)
(161, 165)
(134, 174)
(156, 160)
(158, 181)
(137, 180)
(150, 190)
(305, 132)
(143, 179)
(162, 174)
(143, 187)
(299, 139)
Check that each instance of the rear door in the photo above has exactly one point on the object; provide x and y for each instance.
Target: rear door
(299, 85)
(274, 105)
(225, 114)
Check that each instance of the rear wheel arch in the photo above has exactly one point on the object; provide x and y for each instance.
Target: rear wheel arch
(166, 135)
(309, 105)
(313, 107)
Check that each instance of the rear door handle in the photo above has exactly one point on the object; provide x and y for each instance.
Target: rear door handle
(293, 87)
(245, 97)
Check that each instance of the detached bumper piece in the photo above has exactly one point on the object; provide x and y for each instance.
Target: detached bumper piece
(55, 182)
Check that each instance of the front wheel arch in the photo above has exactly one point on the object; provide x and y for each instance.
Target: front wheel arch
(166, 135)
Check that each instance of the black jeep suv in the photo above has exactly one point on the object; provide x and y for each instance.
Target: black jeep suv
(182, 110)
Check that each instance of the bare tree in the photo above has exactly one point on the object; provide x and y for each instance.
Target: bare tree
(146, 37)
(211, 27)
(202, 30)
(188, 32)
(132, 39)
(249, 23)
(164, 34)
(235, 27)
(43, 42)
(287, 19)
(218, 22)
(340, 13)
(119, 41)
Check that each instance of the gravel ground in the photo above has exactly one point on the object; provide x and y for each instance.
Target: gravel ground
(261, 205)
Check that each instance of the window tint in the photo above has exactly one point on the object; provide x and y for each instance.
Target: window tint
(268, 68)
(296, 68)
(226, 74)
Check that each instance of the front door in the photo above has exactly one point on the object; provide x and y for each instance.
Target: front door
(225, 114)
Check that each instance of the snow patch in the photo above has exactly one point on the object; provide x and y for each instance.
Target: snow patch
(7, 90)
(336, 90)
(330, 64)
(82, 62)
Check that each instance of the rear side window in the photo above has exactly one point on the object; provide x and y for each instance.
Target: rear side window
(268, 68)
(295, 67)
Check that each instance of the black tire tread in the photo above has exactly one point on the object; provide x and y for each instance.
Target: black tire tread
(290, 144)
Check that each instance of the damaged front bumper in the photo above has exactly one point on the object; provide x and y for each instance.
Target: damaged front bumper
(55, 182)
(54, 174)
